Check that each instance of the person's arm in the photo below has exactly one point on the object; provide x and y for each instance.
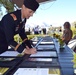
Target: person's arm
(24, 37)
(66, 35)
(26, 43)
(70, 35)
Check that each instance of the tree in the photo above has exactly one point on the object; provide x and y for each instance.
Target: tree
(8, 5)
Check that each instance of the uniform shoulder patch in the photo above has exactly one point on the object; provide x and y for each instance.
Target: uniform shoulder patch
(14, 17)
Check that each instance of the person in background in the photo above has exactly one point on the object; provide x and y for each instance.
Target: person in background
(44, 30)
(36, 30)
(14, 23)
(60, 29)
(67, 33)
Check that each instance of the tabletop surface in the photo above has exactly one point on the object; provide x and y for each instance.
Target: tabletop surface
(49, 56)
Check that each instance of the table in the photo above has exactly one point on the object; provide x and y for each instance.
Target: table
(60, 63)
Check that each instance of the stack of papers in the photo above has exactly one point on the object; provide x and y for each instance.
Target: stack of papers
(46, 47)
(41, 59)
(47, 42)
(10, 53)
(37, 71)
(45, 54)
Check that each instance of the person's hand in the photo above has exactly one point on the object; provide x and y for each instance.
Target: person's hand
(63, 38)
(30, 50)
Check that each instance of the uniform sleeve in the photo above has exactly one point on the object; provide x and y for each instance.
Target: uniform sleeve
(9, 30)
(24, 37)
(22, 33)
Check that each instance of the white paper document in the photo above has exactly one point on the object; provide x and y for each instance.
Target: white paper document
(35, 71)
(47, 42)
(46, 46)
(44, 54)
(9, 53)
(41, 59)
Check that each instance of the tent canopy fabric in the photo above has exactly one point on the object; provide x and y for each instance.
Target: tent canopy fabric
(20, 2)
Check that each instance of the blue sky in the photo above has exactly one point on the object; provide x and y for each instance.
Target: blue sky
(54, 13)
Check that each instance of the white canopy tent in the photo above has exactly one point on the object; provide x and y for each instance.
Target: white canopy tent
(20, 2)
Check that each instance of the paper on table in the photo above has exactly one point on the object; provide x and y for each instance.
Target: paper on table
(44, 54)
(9, 53)
(47, 42)
(35, 71)
(46, 46)
(40, 59)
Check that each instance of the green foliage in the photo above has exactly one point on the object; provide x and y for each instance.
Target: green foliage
(20, 55)
(19, 40)
(30, 36)
(73, 30)
(74, 60)
(61, 42)
(56, 35)
(73, 27)
(7, 4)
